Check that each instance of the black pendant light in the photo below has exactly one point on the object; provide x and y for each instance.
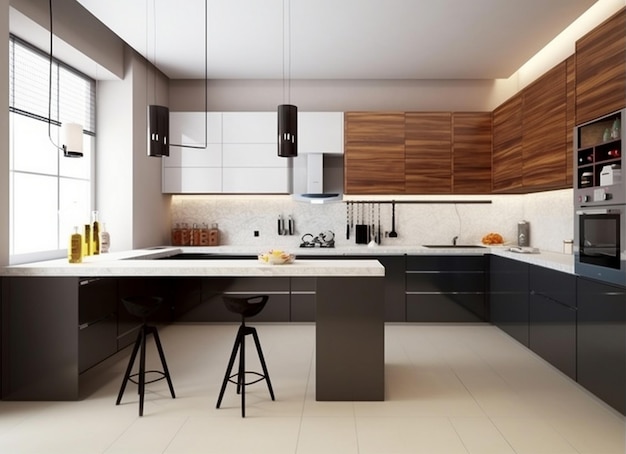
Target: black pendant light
(287, 113)
(287, 131)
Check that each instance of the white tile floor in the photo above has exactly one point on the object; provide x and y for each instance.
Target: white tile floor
(449, 389)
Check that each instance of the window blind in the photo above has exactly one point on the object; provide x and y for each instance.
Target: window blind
(73, 94)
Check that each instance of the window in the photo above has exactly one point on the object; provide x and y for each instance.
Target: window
(49, 193)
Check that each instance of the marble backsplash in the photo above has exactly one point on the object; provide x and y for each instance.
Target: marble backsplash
(550, 215)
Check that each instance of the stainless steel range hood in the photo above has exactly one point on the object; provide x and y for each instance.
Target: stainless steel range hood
(318, 178)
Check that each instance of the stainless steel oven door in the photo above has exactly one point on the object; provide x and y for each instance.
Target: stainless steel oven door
(599, 246)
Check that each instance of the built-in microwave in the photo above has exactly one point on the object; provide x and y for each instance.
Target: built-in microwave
(600, 243)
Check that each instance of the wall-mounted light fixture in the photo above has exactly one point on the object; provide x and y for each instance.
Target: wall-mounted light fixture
(71, 133)
(287, 113)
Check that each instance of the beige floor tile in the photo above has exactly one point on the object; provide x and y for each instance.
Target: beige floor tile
(450, 388)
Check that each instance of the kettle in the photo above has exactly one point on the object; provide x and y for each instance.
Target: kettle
(523, 234)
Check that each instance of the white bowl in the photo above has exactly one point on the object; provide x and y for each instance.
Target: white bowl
(276, 257)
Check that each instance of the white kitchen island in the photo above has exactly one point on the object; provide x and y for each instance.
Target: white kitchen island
(40, 319)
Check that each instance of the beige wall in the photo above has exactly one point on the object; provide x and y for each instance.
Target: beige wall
(339, 95)
(129, 182)
(82, 40)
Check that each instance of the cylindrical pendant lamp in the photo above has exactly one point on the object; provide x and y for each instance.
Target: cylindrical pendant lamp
(287, 131)
(72, 137)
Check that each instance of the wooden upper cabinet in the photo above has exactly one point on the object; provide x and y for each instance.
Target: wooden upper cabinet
(374, 153)
(507, 146)
(601, 69)
(471, 152)
(428, 152)
(378, 127)
(544, 148)
(570, 121)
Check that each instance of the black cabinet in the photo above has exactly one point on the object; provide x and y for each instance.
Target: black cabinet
(509, 297)
(302, 302)
(552, 317)
(445, 288)
(97, 321)
(602, 341)
(211, 308)
(395, 266)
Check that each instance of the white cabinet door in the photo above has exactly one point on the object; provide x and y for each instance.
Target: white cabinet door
(320, 132)
(192, 180)
(252, 155)
(191, 157)
(256, 180)
(187, 128)
(250, 127)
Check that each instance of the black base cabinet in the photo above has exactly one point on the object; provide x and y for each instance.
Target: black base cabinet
(602, 341)
(97, 321)
(509, 297)
(445, 288)
(552, 317)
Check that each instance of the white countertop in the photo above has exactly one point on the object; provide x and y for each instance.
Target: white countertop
(142, 262)
(553, 260)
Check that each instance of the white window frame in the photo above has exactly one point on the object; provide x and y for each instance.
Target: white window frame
(61, 190)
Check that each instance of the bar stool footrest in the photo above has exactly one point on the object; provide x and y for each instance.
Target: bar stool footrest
(235, 382)
(162, 376)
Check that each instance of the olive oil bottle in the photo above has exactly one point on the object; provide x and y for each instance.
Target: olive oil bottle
(95, 233)
(75, 248)
(87, 240)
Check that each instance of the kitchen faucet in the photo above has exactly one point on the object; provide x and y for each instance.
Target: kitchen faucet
(454, 240)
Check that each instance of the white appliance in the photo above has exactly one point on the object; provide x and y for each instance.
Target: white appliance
(318, 178)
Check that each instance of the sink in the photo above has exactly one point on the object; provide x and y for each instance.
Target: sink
(452, 246)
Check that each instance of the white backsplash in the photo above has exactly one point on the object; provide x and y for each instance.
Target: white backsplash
(550, 215)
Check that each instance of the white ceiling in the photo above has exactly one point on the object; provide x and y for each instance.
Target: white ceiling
(339, 39)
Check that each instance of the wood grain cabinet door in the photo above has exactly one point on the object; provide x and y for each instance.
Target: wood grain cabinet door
(544, 131)
(471, 152)
(374, 153)
(428, 151)
(507, 146)
(601, 69)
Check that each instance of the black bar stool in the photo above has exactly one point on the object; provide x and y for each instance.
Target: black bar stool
(246, 307)
(143, 307)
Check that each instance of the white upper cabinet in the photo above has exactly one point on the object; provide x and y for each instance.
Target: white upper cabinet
(241, 155)
(250, 127)
(188, 128)
(320, 132)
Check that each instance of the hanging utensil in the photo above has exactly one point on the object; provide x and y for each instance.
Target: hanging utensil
(378, 230)
(393, 233)
(373, 230)
(347, 222)
(361, 228)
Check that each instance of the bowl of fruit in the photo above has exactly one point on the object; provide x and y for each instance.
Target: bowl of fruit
(276, 257)
(493, 239)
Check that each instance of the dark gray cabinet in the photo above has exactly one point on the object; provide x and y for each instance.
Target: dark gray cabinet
(211, 307)
(509, 297)
(395, 266)
(302, 302)
(552, 317)
(445, 288)
(97, 321)
(602, 341)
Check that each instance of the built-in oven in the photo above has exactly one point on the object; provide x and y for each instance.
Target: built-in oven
(600, 243)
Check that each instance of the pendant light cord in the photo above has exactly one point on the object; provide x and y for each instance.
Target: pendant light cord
(206, 83)
(287, 51)
(50, 61)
